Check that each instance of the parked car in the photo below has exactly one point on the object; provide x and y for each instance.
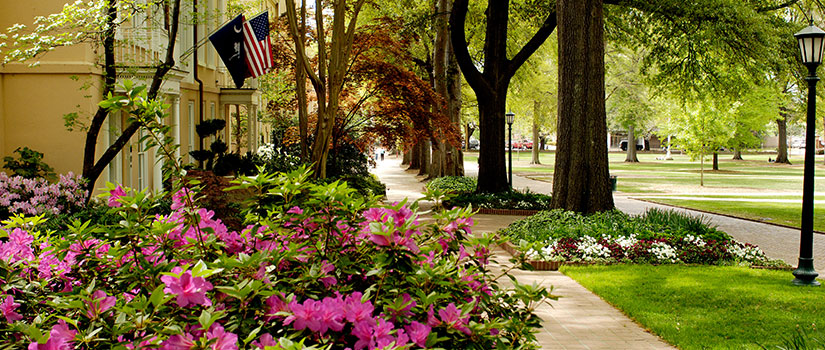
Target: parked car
(474, 144)
(639, 146)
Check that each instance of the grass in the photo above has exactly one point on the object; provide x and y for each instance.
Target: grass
(771, 212)
(708, 307)
(680, 176)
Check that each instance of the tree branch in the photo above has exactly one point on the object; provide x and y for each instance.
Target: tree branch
(535, 42)
(776, 7)
(458, 36)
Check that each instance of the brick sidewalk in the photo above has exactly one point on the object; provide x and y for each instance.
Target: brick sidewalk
(578, 320)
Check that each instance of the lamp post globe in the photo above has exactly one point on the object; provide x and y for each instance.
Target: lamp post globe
(810, 46)
(510, 117)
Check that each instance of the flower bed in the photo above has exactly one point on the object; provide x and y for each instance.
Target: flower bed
(316, 267)
(654, 237)
(19, 195)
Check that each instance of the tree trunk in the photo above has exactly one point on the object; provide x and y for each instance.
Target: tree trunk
(491, 85)
(301, 87)
(715, 160)
(702, 170)
(92, 169)
(581, 175)
(737, 154)
(436, 168)
(424, 156)
(492, 173)
(415, 156)
(782, 128)
(631, 145)
(406, 157)
(536, 116)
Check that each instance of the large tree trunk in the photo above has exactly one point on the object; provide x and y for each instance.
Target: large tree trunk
(424, 157)
(737, 154)
(782, 128)
(406, 157)
(581, 176)
(492, 174)
(715, 160)
(301, 87)
(536, 116)
(436, 168)
(415, 156)
(631, 145)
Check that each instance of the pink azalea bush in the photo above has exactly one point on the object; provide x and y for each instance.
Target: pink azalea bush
(316, 266)
(19, 195)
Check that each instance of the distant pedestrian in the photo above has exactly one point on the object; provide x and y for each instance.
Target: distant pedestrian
(382, 154)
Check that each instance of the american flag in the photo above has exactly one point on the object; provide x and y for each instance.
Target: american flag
(257, 44)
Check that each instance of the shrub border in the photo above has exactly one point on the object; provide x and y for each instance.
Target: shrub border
(537, 265)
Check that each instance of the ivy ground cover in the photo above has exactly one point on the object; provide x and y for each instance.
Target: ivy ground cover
(316, 267)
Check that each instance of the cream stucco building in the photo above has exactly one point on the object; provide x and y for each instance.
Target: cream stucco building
(33, 100)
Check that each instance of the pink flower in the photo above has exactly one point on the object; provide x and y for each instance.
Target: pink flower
(179, 200)
(418, 333)
(295, 210)
(265, 340)
(178, 342)
(223, 340)
(7, 307)
(115, 195)
(100, 303)
(451, 316)
(60, 338)
(188, 289)
(276, 304)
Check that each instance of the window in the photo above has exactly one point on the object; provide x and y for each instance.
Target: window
(143, 172)
(212, 110)
(191, 140)
(116, 166)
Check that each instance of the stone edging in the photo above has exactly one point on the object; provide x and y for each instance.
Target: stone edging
(489, 211)
(537, 264)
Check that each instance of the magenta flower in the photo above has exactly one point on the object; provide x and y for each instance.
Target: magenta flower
(295, 210)
(7, 307)
(178, 342)
(99, 304)
(60, 338)
(188, 289)
(276, 304)
(180, 198)
(451, 316)
(418, 333)
(265, 340)
(223, 340)
(115, 195)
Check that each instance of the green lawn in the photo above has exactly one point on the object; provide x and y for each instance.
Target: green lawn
(708, 307)
(772, 212)
(680, 176)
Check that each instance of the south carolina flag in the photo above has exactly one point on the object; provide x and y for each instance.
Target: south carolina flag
(257, 44)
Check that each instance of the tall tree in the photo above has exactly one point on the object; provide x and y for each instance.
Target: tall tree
(491, 85)
(333, 63)
(581, 175)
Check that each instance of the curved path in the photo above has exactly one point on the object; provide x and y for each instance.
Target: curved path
(578, 320)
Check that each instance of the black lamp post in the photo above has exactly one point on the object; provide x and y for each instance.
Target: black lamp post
(510, 118)
(810, 45)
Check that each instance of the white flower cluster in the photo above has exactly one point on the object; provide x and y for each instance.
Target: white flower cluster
(697, 241)
(627, 242)
(746, 252)
(265, 151)
(663, 252)
(591, 249)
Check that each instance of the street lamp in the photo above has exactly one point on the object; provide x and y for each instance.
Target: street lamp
(810, 45)
(510, 118)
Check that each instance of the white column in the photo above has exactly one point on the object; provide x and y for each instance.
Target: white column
(176, 124)
(250, 130)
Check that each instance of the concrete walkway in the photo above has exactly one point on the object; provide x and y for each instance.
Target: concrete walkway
(578, 320)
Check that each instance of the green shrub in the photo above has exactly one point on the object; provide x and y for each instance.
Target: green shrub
(454, 184)
(366, 185)
(653, 224)
(30, 165)
(505, 200)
